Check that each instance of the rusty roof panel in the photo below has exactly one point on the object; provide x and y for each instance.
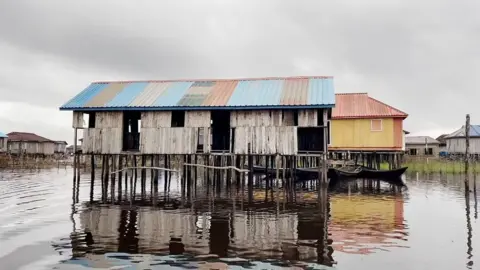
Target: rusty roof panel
(360, 105)
(105, 95)
(262, 93)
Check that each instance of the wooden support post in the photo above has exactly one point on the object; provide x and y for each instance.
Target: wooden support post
(120, 174)
(250, 174)
(92, 176)
(325, 146)
(467, 150)
(113, 176)
(143, 180)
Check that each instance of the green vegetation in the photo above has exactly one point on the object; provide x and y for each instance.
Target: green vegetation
(436, 166)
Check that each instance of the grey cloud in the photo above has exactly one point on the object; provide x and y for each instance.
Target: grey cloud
(418, 56)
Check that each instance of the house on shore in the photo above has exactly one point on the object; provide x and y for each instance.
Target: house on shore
(29, 143)
(60, 147)
(456, 141)
(3, 142)
(361, 123)
(265, 116)
(442, 144)
(423, 146)
(404, 146)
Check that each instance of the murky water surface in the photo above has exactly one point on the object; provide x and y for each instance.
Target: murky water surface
(430, 225)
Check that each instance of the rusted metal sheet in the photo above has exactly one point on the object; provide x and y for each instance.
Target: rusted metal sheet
(360, 105)
(105, 95)
(256, 93)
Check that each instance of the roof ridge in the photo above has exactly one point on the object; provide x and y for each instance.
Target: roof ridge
(217, 80)
(359, 93)
(389, 106)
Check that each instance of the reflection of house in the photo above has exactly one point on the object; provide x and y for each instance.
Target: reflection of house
(180, 117)
(422, 146)
(3, 142)
(29, 143)
(456, 144)
(362, 123)
(60, 147)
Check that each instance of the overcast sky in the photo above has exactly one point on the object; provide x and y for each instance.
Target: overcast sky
(421, 57)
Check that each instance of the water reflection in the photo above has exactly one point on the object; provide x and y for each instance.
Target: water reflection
(371, 227)
(219, 225)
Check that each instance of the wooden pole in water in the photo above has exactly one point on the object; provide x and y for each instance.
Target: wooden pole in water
(325, 145)
(467, 149)
(92, 176)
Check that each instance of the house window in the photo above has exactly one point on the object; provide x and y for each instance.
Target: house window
(376, 125)
(412, 152)
(429, 151)
(178, 118)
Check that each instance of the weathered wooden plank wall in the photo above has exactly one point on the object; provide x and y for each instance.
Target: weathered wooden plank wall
(77, 120)
(197, 119)
(106, 137)
(308, 118)
(457, 145)
(266, 140)
(46, 148)
(156, 119)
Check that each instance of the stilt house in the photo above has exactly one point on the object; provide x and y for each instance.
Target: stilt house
(264, 116)
(3, 142)
(29, 143)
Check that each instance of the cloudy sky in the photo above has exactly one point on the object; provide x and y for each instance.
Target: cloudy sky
(419, 56)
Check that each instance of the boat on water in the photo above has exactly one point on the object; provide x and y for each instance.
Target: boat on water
(353, 172)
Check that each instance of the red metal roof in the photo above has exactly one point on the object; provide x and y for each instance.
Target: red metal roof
(26, 137)
(360, 105)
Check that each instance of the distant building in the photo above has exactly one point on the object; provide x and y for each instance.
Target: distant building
(443, 144)
(362, 123)
(455, 141)
(421, 146)
(29, 143)
(3, 142)
(405, 133)
(60, 147)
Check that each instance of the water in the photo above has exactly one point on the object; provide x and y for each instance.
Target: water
(428, 226)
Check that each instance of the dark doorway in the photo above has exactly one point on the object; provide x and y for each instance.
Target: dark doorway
(310, 139)
(131, 131)
(220, 130)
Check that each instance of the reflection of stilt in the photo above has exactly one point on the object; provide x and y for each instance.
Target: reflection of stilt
(127, 239)
(324, 250)
(469, 225)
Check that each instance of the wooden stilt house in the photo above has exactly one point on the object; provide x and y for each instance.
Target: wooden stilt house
(266, 116)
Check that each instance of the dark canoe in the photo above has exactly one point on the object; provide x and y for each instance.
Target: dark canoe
(347, 173)
(381, 174)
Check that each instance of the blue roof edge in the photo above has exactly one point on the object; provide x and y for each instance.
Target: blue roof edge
(198, 108)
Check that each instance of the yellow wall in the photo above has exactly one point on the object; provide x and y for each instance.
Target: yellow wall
(356, 133)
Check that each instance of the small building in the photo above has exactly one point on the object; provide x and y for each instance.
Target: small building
(442, 144)
(3, 142)
(60, 147)
(405, 133)
(29, 143)
(265, 116)
(361, 123)
(456, 141)
(422, 146)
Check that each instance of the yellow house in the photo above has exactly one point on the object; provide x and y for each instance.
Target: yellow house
(362, 123)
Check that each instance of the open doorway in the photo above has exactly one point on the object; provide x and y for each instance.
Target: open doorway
(220, 130)
(131, 130)
(310, 139)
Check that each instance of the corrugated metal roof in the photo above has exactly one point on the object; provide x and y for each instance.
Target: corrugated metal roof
(360, 105)
(420, 140)
(474, 132)
(3, 135)
(26, 137)
(300, 92)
